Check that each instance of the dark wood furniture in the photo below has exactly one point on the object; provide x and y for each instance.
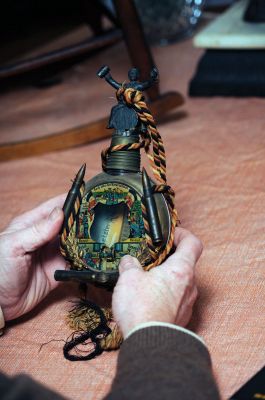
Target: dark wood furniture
(141, 57)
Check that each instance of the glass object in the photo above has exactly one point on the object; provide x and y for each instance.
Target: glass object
(167, 21)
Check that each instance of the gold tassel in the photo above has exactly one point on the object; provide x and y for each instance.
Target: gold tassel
(84, 318)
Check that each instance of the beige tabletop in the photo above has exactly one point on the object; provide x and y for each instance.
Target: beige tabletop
(216, 163)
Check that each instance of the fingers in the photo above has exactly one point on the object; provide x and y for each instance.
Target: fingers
(189, 247)
(52, 261)
(182, 262)
(42, 211)
(165, 293)
(129, 262)
(31, 238)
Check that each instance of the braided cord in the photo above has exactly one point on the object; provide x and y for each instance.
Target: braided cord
(157, 158)
(70, 221)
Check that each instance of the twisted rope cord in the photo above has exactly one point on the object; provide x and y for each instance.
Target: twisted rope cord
(70, 221)
(157, 158)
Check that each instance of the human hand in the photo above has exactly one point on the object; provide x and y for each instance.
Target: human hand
(29, 255)
(165, 293)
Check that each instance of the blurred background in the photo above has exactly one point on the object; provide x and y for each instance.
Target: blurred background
(48, 45)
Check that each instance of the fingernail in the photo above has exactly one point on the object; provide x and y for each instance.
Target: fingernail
(55, 214)
(128, 262)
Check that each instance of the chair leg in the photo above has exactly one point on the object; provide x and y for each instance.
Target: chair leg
(141, 58)
(138, 48)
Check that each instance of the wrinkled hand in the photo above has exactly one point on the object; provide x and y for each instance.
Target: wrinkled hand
(165, 294)
(29, 255)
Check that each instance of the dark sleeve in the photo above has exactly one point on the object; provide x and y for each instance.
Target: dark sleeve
(22, 387)
(163, 363)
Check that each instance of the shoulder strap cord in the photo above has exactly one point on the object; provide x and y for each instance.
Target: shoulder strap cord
(157, 158)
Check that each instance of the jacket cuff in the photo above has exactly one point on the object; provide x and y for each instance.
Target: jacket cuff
(158, 335)
(166, 325)
(161, 362)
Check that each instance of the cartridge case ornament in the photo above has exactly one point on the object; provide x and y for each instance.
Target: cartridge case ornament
(122, 210)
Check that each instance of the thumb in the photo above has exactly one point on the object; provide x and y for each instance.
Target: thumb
(128, 262)
(40, 233)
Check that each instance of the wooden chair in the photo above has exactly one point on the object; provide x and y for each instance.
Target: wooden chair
(141, 58)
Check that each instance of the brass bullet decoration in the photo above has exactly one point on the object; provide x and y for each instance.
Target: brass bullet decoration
(73, 192)
(151, 210)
